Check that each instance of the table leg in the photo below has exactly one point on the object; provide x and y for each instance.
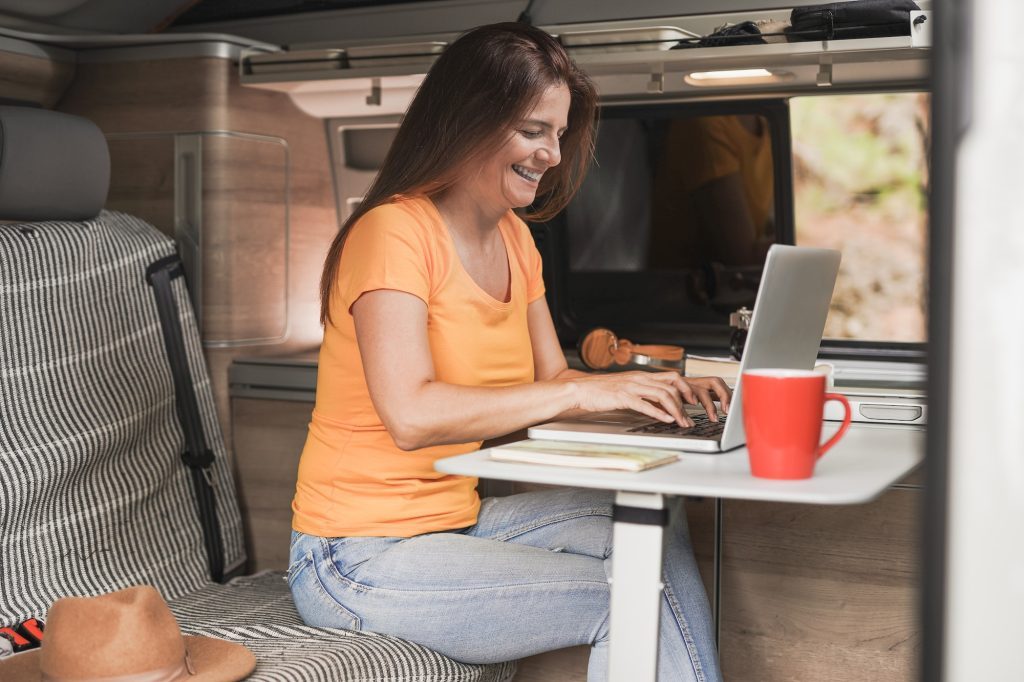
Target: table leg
(716, 572)
(640, 520)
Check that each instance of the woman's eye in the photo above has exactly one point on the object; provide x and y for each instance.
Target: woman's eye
(531, 134)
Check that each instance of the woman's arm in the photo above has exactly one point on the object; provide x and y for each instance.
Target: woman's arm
(550, 364)
(419, 411)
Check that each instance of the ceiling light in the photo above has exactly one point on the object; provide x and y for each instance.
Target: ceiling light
(735, 77)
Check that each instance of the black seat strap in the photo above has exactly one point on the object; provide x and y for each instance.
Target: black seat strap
(197, 454)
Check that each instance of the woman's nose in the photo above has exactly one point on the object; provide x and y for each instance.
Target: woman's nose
(550, 153)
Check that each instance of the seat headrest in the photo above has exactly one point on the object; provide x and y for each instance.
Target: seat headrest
(53, 166)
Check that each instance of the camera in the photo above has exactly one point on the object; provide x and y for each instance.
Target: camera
(740, 323)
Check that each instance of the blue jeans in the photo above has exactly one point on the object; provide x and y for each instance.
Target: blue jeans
(530, 576)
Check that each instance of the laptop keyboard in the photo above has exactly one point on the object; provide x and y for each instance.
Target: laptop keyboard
(702, 426)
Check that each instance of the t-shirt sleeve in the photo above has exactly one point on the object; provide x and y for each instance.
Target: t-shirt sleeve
(387, 248)
(533, 265)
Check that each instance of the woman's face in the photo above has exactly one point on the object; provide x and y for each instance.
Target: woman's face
(510, 177)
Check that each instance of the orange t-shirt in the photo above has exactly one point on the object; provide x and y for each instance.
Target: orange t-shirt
(353, 479)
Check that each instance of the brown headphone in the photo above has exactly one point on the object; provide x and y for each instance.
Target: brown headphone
(600, 348)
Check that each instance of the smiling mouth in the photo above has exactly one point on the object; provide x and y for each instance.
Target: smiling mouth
(532, 176)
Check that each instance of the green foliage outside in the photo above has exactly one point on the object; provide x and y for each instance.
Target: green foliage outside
(860, 185)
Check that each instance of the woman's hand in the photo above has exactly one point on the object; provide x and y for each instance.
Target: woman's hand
(659, 395)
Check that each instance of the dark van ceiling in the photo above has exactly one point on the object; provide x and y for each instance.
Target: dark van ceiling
(206, 11)
(154, 16)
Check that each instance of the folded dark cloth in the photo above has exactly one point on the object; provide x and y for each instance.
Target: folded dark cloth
(745, 33)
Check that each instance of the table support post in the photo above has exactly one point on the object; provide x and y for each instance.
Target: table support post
(716, 573)
(640, 520)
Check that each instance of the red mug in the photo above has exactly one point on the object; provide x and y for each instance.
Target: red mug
(782, 416)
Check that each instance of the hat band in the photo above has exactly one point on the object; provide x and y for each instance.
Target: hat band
(169, 674)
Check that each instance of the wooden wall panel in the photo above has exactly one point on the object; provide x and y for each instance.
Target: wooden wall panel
(915, 478)
(245, 217)
(141, 182)
(158, 95)
(270, 435)
(203, 94)
(700, 513)
(38, 80)
(816, 592)
(563, 665)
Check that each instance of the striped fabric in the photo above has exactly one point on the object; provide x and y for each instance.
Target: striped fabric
(258, 612)
(93, 495)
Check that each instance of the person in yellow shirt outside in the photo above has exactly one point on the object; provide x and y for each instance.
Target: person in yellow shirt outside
(714, 192)
(437, 336)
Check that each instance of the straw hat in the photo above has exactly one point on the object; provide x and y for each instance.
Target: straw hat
(121, 635)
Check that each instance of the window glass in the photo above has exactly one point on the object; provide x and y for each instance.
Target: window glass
(860, 177)
(672, 224)
(667, 193)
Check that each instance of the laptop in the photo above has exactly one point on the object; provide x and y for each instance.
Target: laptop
(785, 332)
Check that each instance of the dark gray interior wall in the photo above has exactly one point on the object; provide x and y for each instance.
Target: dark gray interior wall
(87, 16)
(444, 16)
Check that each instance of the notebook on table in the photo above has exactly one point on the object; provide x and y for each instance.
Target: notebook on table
(586, 455)
(785, 332)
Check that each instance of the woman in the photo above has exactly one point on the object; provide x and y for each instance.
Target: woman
(437, 336)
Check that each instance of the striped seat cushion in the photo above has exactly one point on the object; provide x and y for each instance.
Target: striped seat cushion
(93, 493)
(257, 611)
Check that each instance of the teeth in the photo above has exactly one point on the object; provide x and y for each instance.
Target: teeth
(529, 175)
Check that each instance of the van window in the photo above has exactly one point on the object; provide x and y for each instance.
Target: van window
(860, 176)
(669, 232)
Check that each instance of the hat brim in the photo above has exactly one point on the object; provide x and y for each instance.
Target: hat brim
(214, 660)
(217, 660)
(23, 666)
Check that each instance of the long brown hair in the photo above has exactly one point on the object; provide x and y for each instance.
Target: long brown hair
(478, 89)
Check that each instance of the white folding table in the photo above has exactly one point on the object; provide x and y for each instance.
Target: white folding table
(858, 469)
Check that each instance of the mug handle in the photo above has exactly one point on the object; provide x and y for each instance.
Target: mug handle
(847, 418)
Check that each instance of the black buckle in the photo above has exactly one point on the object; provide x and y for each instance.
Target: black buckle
(200, 461)
(640, 515)
(170, 263)
(18, 638)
